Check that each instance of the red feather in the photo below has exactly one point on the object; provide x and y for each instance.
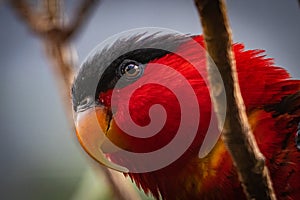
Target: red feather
(273, 108)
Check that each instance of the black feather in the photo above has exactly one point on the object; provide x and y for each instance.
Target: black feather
(98, 72)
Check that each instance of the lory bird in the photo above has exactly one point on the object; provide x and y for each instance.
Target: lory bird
(130, 76)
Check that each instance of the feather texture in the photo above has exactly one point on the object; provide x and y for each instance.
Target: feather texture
(272, 101)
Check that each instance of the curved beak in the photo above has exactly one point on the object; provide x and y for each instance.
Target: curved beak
(92, 125)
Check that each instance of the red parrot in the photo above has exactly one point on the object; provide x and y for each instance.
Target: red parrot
(130, 76)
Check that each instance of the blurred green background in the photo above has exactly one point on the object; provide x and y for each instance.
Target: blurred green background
(39, 154)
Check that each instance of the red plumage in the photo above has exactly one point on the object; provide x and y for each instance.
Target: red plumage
(272, 101)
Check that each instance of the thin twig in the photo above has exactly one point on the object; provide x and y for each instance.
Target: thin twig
(236, 133)
(56, 37)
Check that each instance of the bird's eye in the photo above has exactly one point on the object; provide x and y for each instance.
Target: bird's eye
(131, 69)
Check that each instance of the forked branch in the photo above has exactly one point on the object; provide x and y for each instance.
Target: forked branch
(56, 36)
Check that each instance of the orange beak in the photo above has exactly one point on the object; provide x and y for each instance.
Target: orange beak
(92, 126)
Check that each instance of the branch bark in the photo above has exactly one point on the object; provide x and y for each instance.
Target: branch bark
(56, 36)
(236, 133)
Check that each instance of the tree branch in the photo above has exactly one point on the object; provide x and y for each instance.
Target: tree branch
(236, 133)
(56, 36)
(33, 19)
(82, 14)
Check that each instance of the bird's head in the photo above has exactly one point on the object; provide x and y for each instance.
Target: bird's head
(137, 103)
(142, 106)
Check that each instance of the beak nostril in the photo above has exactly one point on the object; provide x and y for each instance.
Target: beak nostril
(85, 104)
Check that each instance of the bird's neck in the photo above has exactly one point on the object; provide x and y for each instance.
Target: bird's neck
(189, 178)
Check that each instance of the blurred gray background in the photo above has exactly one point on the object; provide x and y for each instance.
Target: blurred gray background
(40, 157)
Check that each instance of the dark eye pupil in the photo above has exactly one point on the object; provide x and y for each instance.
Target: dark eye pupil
(131, 68)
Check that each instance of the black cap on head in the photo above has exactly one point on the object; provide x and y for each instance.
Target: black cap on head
(99, 72)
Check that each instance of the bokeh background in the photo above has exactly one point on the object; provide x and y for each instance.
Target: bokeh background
(39, 155)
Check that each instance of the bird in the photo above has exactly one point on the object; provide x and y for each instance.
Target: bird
(160, 78)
